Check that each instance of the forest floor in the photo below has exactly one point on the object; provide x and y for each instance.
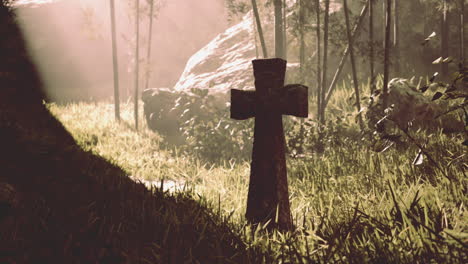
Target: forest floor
(350, 204)
(67, 195)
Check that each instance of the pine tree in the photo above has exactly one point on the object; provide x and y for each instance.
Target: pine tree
(279, 38)
(150, 37)
(115, 62)
(319, 58)
(444, 39)
(371, 46)
(387, 53)
(137, 60)
(259, 28)
(353, 64)
(325, 60)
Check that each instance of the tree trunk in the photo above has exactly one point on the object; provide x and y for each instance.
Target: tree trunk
(259, 29)
(343, 58)
(353, 65)
(150, 35)
(325, 57)
(115, 62)
(444, 40)
(319, 67)
(301, 40)
(285, 41)
(254, 30)
(396, 37)
(371, 46)
(462, 33)
(279, 46)
(387, 54)
(137, 62)
(384, 16)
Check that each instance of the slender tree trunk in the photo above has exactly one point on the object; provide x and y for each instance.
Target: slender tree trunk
(137, 62)
(279, 46)
(285, 40)
(150, 35)
(387, 54)
(444, 40)
(396, 37)
(325, 59)
(259, 28)
(462, 32)
(353, 65)
(384, 20)
(424, 50)
(301, 40)
(115, 62)
(343, 58)
(371, 46)
(319, 58)
(254, 30)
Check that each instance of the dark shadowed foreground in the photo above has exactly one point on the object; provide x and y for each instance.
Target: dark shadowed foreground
(75, 207)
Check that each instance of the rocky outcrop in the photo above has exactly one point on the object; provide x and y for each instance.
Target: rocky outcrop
(410, 108)
(224, 64)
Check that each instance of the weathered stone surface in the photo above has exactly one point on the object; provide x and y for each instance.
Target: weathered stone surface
(268, 198)
(225, 62)
(412, 108)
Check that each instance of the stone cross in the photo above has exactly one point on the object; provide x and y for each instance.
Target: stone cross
(268, 197)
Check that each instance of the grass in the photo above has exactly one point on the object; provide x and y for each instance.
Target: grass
(350, 204)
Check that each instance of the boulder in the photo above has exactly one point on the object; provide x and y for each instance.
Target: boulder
(410, 108)
(226, 62)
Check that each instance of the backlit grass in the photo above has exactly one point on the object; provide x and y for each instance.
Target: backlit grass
(350, 204)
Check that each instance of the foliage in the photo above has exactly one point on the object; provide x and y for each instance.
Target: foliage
(307, 136)
(455, 92)
(236, 8)
(206, 128)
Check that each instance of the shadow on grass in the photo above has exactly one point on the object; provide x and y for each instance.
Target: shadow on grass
(75, 207)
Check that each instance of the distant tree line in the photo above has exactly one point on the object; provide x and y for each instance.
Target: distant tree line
(373, 33)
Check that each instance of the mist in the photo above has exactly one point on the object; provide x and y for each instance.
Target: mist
(70, 42)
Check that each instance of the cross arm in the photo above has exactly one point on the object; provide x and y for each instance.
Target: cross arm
(294, 101)
(242, 104)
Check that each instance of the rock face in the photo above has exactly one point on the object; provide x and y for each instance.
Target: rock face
(224, 63)
(412, 108)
